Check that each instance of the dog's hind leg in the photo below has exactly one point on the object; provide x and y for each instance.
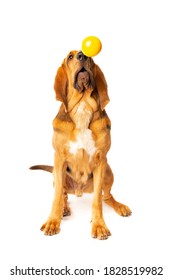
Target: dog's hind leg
(108, 198)
(66, 208)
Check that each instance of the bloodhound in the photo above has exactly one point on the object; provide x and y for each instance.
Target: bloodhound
(81, 141)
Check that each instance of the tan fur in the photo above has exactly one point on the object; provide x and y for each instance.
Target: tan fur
(81, 141)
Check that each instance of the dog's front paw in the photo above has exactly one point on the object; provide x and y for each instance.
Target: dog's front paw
(100, 231)
(51, 227)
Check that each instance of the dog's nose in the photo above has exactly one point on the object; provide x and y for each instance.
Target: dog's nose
(81, 56)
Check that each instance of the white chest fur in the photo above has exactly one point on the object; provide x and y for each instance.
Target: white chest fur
(84, 138)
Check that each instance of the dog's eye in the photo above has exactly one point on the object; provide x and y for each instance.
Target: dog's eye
(68, 169)
(70, 57)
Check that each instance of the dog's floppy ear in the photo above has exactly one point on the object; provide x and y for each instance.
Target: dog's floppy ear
(101, 86)
(60, 86)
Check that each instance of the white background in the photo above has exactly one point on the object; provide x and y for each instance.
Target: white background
(137, 60)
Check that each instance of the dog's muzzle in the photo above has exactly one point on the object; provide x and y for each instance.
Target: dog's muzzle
(82, 80)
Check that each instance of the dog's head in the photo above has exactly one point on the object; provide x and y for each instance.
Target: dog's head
(79, 72)
(79, 67)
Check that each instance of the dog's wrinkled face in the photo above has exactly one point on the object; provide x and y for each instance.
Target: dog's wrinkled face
(78, 75)
(80, 69)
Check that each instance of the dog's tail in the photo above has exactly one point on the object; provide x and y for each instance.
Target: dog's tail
(42, 167)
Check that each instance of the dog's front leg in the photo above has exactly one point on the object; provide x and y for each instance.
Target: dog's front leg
(99, 228)
(52, 225)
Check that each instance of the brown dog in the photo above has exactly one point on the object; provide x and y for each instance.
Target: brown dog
(81, 141)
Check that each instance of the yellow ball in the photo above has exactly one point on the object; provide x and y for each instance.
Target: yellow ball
(91, 46)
